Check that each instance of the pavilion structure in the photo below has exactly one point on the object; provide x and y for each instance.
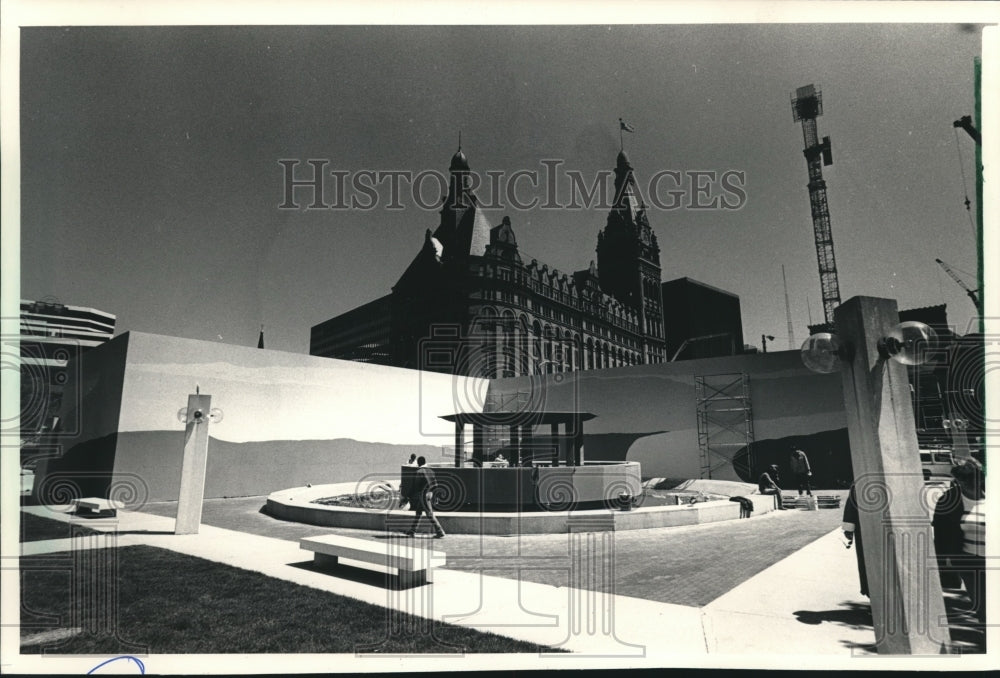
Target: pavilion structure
(565, 436)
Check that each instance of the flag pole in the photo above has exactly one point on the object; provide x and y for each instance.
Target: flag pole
(621, 135)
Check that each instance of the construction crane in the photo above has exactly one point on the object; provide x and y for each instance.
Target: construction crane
(961, 283)
(807, 105)
(965, 122)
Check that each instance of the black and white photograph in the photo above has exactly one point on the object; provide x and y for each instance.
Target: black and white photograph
(452, 337)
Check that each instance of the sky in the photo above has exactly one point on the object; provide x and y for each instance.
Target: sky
(151, 183)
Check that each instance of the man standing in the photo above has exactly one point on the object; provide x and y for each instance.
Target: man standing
(852, 532)
(422, 499)
(799, 463)
(768, 484)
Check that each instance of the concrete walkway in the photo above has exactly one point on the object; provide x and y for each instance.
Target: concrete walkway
(795, 607)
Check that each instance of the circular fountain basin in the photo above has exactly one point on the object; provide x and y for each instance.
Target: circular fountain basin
(381, 513)
(504, 489)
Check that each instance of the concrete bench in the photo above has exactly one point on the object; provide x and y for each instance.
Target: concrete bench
(414, 566)
(828, 501)
(96, 505)
(801, 502)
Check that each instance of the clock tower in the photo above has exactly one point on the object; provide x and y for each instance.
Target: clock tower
(628, 260)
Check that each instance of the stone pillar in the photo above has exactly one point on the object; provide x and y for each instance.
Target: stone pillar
(907, 604)
(193, 467)
(526, 442)
(477, 443)
(515, 443)
(577, 441)
(459, 440)
(556, 443)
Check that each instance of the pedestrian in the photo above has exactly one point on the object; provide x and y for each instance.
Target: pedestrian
(799, 463)
(768, 484)
(852, 532)
(960, 530)
(422, 499)
(405, 483)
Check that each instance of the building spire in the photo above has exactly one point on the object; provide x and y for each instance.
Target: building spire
(622, 128)
(260, 338)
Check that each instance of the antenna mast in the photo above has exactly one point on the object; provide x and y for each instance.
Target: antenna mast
(788, 312)
(807, 105)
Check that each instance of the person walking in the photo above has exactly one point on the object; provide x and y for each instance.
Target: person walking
(768, 484)
(422, 499)
(405, 482)
(799, 463)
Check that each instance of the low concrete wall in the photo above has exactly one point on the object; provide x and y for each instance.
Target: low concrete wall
(288, 419)
(553, 488)
(295, 504)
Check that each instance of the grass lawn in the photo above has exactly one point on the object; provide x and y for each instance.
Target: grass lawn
(35, 528)
(172, 603)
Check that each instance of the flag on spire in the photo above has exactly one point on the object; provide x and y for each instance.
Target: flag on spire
(625, 126)
(260, 339)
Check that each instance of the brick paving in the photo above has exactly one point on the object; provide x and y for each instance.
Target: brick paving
(808, 601)
(690, 565)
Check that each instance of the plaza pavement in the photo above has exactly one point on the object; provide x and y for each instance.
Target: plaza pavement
(806, 603)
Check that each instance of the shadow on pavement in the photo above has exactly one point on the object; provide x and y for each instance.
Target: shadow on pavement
(967, 635)
(359, 575)
(855, 615)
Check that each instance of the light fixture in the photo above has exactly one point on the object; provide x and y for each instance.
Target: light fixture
(197, 416)
(822, 353)
(909, 343)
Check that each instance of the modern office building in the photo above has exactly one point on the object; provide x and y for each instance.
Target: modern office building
(704, 321)
(52, 337)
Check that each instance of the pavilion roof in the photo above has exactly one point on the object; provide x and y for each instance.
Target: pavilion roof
(494, 418)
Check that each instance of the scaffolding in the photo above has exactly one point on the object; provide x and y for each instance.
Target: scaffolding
(725, 423)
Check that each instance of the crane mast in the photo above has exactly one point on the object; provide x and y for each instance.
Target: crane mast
(807, 105)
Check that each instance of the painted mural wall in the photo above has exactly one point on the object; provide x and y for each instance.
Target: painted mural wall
(290, 419)
(287, 419)
(647, 413)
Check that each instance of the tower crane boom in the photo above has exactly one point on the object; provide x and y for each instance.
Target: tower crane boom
(961, 283)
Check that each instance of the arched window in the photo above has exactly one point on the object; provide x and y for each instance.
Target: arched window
(536, 347)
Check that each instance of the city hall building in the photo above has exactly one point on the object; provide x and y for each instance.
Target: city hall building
(469, 304)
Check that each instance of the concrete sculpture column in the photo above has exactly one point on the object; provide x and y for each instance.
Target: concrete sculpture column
(194, 465)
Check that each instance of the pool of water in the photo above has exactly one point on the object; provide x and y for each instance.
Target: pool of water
(388, 498)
